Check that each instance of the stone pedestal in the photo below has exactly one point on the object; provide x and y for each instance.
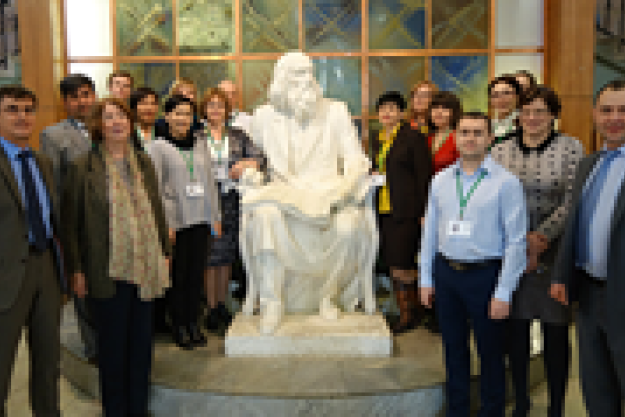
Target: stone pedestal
(353, 334)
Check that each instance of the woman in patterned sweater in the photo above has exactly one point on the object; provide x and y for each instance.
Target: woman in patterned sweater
(545, 161)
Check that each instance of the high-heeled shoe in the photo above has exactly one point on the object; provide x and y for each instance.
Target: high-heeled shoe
(196, 335)
(182, 338)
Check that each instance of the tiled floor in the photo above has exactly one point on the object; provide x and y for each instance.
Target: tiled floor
(76, 404)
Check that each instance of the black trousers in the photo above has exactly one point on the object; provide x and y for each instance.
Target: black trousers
(125, 344)
(189, 263)
(463, 297)
(556, 355)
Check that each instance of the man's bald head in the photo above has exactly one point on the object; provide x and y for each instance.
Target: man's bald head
(231, 90)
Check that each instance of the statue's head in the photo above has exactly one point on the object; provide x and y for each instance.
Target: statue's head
(294, 90)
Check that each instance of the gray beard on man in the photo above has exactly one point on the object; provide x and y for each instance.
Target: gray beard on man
(302, 103)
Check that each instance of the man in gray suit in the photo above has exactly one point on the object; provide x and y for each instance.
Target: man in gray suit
(31, 280)
(590, 267)
(62, 143)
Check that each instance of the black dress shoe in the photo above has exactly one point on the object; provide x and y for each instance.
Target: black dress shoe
(224, 315)
(196, 335)
(212, 320)
(401, 328)
(182, 338)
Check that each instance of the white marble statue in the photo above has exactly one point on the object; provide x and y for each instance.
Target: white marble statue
(308, 230)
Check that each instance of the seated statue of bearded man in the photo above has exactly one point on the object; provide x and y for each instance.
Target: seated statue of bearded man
(308, 230)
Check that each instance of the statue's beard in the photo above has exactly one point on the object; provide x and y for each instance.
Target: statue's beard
(303, 102)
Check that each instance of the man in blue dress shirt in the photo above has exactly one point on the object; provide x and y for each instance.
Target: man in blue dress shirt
(590, 267)
(473, 252)
(31, 280)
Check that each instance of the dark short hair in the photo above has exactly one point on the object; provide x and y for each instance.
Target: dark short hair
(394, 97)
(175, 101)
(477, 115)
(139, 94)
(70, 85)
(209, 94)
(528, 75)
(506, 79)
(614, 85)
(120, 74)
(18, 92)
(446, 100)
(545, 93)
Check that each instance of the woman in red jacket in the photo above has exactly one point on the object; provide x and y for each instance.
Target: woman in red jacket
(443, 114)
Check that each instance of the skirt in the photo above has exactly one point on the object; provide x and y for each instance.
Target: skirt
(398, 241)
(532, 300)
(225, 249)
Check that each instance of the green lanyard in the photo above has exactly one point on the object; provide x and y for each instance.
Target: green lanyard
(188, 159)
(465, 199)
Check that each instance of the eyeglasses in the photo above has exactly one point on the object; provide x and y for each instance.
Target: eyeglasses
(497, 94)
(534, 112)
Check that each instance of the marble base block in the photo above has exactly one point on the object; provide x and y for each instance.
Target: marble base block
(353, 334)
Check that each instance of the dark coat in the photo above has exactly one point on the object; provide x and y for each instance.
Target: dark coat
(86, 219)
(14, 244)
(408, 171)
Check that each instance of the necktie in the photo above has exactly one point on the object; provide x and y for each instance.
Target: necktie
(590, 199)
(33, 207)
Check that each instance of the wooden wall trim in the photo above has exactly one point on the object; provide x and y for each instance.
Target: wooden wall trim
(570, 59)
(37, 48)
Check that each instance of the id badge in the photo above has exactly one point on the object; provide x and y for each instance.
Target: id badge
(378, 180)
(459, 228)
(195, 190)
(222, 172)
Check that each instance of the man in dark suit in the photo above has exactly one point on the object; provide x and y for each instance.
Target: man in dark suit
(63, 143)
(590, 267)
(31, 280)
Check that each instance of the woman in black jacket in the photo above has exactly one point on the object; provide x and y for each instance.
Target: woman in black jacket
(401, 154)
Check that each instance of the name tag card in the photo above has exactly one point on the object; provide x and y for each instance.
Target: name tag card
(459, 228)
(222, 172)
(378, 180)
(195, 190)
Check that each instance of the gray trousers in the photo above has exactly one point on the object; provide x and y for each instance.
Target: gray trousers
(601, 363)
(38, 309)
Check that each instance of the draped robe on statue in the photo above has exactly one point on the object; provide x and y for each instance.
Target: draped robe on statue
(315, 213)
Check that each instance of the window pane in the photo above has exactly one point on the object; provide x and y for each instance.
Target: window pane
(206, 27)
(158, 76)
(98, 72)
(511, 63)
(92, 18)
(144, 27)
(340, 79)
(332, 25)
(520, 23)
(256, 80)
(208, 74)
(466, 76)
(269, 25)
(460, 24)
(397, 24)
(394, 73)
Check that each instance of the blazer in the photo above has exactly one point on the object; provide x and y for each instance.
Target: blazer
(408, 171)
(14, 244)
(565, 272)
(62, 143)
(86, 219)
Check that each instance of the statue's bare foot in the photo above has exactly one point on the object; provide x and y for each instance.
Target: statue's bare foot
(328, 310)
(271, 318)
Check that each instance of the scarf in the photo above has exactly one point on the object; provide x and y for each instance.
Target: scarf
(136, 255)
(386, 140)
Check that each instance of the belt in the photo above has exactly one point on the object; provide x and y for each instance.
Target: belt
(468, 266)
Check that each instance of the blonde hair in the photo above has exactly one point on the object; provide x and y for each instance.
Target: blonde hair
(411, 111)
(182, 81)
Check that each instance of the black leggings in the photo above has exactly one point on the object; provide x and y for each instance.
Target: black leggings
(189, 262)
(556, 355)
